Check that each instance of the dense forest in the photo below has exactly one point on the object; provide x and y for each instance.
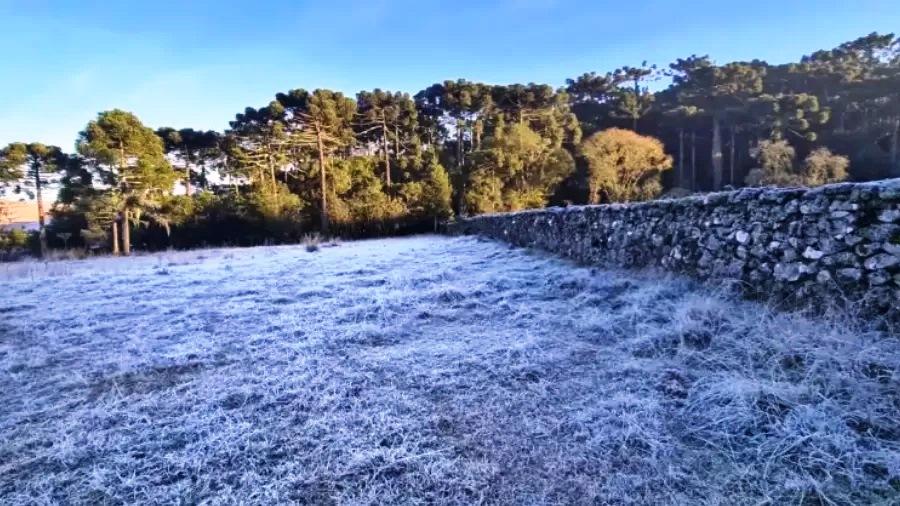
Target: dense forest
(387, 162)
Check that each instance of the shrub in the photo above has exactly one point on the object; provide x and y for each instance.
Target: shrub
(16, 243)
(823, 167)
(311, 242)
(776, 158)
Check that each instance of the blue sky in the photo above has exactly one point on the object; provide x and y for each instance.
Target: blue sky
(197, 63)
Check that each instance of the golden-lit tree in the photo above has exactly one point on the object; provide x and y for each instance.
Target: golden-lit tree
(623, 166)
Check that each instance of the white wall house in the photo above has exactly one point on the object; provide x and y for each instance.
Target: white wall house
(21, 215)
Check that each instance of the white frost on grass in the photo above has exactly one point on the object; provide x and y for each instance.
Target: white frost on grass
(428, 370)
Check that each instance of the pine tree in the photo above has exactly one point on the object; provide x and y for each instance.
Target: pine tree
(131, 160)
(29, 168)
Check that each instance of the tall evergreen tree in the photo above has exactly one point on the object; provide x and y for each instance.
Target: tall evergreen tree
(390, 120)
(632, 98)
(29, 168)
(196, 150)
(717, 91)
(459, 106)
(131, 160)
(322, 119)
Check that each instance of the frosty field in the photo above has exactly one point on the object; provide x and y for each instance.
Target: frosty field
(428, 370)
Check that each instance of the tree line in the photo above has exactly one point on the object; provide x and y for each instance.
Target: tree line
(387, 162)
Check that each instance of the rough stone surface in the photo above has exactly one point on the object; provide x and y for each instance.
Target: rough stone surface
(834, 243)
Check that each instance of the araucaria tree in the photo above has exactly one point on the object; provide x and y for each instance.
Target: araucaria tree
(388, 120)
(321, 121)
(631, 97)
(719, 91)
(195, 150)
(130, 160)
(28, 168)
(457, 110)
(624, 166)
(373, 163)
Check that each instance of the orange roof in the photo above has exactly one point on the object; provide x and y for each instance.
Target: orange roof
(19, 212)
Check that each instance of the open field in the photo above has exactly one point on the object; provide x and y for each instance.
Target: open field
(428, 370)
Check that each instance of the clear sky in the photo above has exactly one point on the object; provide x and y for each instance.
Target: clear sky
(195, 63)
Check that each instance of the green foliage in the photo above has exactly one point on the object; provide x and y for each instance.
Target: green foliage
(76, 181)
(359, 195)
(390, 122)
(791, 115)
(624, 166)
(485, 194)
(474, 121)
(518, 169)
(197, 152)
(437, 193)
(16, 243)
(320, 122)
(100, 210)
(27, 167)
(591, 87)
(631, 99)
(431, 197)
(130, 159)
(275, 203)
(128, 155)
(173, 210)
(257, 145)
(12, 240)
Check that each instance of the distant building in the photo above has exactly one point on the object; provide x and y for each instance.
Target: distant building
(20, 215)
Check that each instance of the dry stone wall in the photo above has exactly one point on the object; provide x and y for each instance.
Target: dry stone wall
(836, 243)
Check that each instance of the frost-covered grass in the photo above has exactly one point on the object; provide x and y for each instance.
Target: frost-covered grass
(428, 370)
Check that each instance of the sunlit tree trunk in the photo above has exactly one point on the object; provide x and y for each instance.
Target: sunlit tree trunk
(459, 144)
(126, 228)
(387, 156)
(187, 177)
(731, 158)
(322, 183)
(126, 232)
(593, 193)
(115, 237)
(717, 152)
(693, 161)
(274, 184)
(460, 162)
(36, 172)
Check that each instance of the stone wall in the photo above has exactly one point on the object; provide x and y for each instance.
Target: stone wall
(834, 243)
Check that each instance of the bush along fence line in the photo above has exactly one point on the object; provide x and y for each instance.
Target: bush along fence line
(801, 247)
